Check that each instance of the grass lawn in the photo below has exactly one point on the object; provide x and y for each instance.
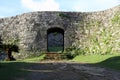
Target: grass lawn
(12, 69)
(109, 61)
(35, 59)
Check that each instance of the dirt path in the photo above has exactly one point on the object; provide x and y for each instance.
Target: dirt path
(50, 70)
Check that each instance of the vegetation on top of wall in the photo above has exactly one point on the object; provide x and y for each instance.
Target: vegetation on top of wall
(63, 15)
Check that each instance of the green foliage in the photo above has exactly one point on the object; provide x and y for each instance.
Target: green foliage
(72, 52)
(10, 44)
(14, 48)
(100, 39)
(12, 41)
(103, 42)
(63, 15)
(116, 19)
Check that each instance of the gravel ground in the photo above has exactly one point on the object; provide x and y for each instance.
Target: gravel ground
(61, 70)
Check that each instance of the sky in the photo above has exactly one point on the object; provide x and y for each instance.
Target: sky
(10, 8)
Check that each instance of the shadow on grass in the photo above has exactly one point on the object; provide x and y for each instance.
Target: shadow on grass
(48, 70)
(40, 71)
(113, 62)
(11, 70)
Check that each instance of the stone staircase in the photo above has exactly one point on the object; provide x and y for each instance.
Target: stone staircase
(53, 56)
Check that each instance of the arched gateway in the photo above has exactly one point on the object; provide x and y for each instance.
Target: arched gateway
(55, 40)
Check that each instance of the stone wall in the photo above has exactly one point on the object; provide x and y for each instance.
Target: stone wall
(31, 28)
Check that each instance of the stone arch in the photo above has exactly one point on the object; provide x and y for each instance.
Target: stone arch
(55, 40)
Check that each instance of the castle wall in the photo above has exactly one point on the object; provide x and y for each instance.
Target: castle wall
(31, 28)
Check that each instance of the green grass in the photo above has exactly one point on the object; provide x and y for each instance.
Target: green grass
(109, 61)
(35, 59)
(55, 49)
(113, 62)
(92, 58)
(11, 70)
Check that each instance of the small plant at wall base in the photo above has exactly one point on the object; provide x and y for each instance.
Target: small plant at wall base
(72, 52)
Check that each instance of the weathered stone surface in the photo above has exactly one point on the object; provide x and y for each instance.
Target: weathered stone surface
(3, 56)
(31, 28)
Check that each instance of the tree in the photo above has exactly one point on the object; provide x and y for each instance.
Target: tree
(9, 46)
(0, 42)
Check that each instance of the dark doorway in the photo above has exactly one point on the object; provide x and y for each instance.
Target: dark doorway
(55, 40)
